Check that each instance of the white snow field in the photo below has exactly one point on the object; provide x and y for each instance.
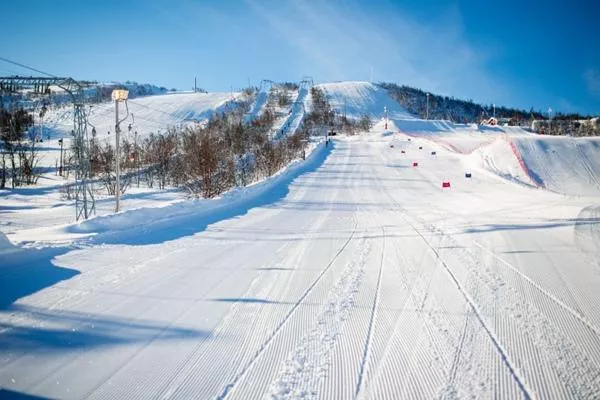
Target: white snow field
(350, 275)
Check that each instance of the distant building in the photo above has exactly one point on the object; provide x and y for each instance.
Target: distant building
(490, 121)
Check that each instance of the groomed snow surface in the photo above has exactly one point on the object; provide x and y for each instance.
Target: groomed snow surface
(352, 274)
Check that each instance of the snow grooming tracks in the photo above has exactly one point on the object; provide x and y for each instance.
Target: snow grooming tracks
(570, 310)
(228, 388)
(309, 361)
(367, 348)
(561, 366)
(527, 393)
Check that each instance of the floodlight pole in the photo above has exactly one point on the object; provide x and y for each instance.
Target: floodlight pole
(60, 170)
(427, 117)
(118, 95)
(117, 167)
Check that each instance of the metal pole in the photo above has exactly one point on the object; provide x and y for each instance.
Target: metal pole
(117, 171)
(386, 117)
(61, 157)
(427, 106)
(137, 161)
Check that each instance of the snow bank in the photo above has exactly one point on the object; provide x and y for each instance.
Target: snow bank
(562, 164)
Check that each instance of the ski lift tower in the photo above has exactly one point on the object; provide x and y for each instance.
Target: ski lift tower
(84, 198)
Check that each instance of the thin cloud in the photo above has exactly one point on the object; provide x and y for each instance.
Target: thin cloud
(345, 42)
(592, 81)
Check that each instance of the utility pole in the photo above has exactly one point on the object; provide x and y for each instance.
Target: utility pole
(195, 86)
(137, 161)
(427, 106)
(60, 168)
(494, 105)
(118, 95)
(550, 120)
(386, 116)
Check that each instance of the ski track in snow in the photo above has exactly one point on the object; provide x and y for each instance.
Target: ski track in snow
(310, 360)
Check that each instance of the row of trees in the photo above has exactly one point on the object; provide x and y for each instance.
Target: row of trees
(19, 155)
(206, 160)
(588, 127)
(461, 111)
(443, 107)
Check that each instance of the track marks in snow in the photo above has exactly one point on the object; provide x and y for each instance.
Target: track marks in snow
(310, 360)
(497, 344)
(531, 329)
(229, 387)
(368, 342)
(556, 300)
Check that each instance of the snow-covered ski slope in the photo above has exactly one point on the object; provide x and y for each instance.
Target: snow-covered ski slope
(355, 99)
(151, 114)
(562, 164)
(351, 275)
(357, 276)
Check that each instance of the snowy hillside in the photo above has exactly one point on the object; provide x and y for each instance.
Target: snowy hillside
(147, 114)
(355, 99)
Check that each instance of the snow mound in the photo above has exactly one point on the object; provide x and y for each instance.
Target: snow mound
(355, 99)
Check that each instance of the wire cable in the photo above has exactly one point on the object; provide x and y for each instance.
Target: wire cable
(26, 67)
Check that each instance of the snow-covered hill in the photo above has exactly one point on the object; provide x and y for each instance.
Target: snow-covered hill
(355, 99)
(147, 115)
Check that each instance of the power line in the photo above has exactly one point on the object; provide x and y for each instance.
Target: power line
(26, 67)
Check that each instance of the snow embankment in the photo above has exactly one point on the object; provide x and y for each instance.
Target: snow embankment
(562, 164)
(150, 225)
(356, 99)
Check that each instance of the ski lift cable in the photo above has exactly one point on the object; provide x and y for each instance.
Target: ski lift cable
(27, 67)
(151, 108)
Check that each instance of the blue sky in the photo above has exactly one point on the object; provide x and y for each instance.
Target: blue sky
(526, 53)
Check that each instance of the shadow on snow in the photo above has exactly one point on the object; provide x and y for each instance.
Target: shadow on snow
(68, 330)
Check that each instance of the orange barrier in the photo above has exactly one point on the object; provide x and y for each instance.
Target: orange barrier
(445, 184)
